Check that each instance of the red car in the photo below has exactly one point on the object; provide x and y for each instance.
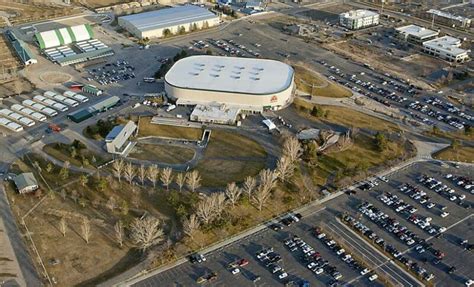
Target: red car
(242, 262)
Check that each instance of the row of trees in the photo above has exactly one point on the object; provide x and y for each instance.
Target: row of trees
(153, 174)
(143, 232)
(258, 190)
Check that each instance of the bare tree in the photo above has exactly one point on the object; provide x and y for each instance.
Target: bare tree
(17, 87)
(263, 192)
(129, 172)
(180, 180)
(146, 232)
(205, 210)
(119, 234)
(249, 185)
(86, 229)
(233, 193)
(292, 148)
(142, 174)
(166, 177)
(218, 203)
(152, 174)
(118, 166)
(193, 180)
(191, 225)
(284, 168)
(63, 226)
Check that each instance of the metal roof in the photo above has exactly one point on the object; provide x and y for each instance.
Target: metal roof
(417, 31)
(168, 17)
(230, 75)
(358, 14)
(447, 44)
(25, 180)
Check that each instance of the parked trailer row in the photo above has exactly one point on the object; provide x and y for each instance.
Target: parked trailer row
(10, 125)
(60, 98)
(17, 117)
(39, 107)
(50, 103)
(76, 96)
(28, 112)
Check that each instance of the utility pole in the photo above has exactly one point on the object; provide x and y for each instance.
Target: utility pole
(432, 20)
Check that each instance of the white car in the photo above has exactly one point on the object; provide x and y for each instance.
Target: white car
(373, 277)
(462, 196)
(444, 214)
(340, 251)
(235, 271)
(283, 275)
(318, 271)
(430, 205)
(469, 282)
(311, 265)
(365, 271)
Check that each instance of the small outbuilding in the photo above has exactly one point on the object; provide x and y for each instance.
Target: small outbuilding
(25, 182)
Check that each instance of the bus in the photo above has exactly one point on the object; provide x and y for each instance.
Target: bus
(149, 80)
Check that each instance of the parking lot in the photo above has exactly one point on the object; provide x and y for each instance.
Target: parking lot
(300, 249)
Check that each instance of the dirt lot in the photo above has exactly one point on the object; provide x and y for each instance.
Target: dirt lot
(14, 87)
(25, 13)
(462, 153)
(148, 129)
(102, 3)
(8, 59)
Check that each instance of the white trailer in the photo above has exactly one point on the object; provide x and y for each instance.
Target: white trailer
(76, 96)
(28, 112)
(50, 103)
(62, 99)
(17, 117)
(41, 108)
(10, 125)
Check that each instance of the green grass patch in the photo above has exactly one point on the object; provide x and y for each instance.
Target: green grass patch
(162, 153)
(146, 128)
(76, 153)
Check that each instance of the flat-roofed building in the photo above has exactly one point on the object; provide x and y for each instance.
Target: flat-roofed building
(164, 22)
(116, 141)
(215, 114)
(358, 19)
(416, 34)
(450, 19)
(447, 48)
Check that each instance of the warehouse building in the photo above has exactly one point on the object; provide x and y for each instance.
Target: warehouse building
(163, 22)
(358, 19)
(446, 48)
(21, 49)
(415, 34)
(252, 85)
(116, 141)
(84, 114)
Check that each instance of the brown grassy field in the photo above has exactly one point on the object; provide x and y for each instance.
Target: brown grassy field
(230, 157)
(345, 117)
(162, 153)
(322, 87)
(35, 12)
(462, 153)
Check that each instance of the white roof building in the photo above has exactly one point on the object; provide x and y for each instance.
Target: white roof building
(117, 142)
(446, 48)
(64, 36)
(416, 34)
(251, 84)
(358, 19)
(153, 23)
(217, 114)
(455, 19)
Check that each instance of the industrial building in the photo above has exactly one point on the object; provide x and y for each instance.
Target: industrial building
(25, 182)
(84, 114)
(21, 49)
(116, 141)
(159, 23)
(446, 48)
(252, 85)
(358, 19)
(415, 34)
(220, 114)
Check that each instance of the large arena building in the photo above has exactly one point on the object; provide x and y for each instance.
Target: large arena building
(156, 24)
(251, 85)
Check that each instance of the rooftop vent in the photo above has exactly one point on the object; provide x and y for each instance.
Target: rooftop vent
(255, 78)
(240, 67)
(235, 77)
(194, 74)
(237, 72)
(214, 75)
